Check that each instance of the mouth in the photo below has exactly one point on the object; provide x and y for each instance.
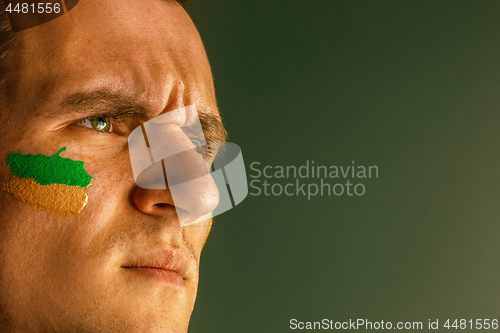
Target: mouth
(163, 266)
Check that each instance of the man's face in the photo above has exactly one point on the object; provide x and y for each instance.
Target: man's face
(124, 61)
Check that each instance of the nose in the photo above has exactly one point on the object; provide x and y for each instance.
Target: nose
(170, 173)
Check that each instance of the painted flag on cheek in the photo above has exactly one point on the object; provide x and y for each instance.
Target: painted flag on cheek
(55, 184)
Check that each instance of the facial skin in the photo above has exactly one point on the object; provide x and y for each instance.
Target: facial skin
(68, 274)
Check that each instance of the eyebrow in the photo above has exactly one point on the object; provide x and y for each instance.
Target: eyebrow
(111, 104)
(102, 102)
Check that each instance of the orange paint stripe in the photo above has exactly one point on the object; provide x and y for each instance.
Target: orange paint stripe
(57, 199)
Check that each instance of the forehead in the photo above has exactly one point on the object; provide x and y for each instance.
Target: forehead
(149, 49)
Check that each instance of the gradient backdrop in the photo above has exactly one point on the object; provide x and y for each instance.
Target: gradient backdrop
(410, 86)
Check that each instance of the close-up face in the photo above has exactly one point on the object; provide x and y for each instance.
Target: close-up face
(126, 261)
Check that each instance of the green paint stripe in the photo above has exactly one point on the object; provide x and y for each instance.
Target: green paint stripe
(48, 170)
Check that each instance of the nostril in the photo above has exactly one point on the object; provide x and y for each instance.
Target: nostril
(161, 205)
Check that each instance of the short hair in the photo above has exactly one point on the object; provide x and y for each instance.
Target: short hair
(6, 35)
(10, 44)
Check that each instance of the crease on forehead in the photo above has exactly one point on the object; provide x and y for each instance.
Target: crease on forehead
(141, 47)
(153, 78)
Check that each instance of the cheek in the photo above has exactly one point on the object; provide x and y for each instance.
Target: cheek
(113, 178)
(109, 197)
(31, 244)
(29, 230)
(105, 160)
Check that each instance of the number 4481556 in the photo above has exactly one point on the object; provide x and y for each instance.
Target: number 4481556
(41, 8)
(485, 324)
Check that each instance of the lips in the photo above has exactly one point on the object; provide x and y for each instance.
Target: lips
(164, 266)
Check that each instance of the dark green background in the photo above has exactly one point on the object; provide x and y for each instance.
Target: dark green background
(410, 86)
